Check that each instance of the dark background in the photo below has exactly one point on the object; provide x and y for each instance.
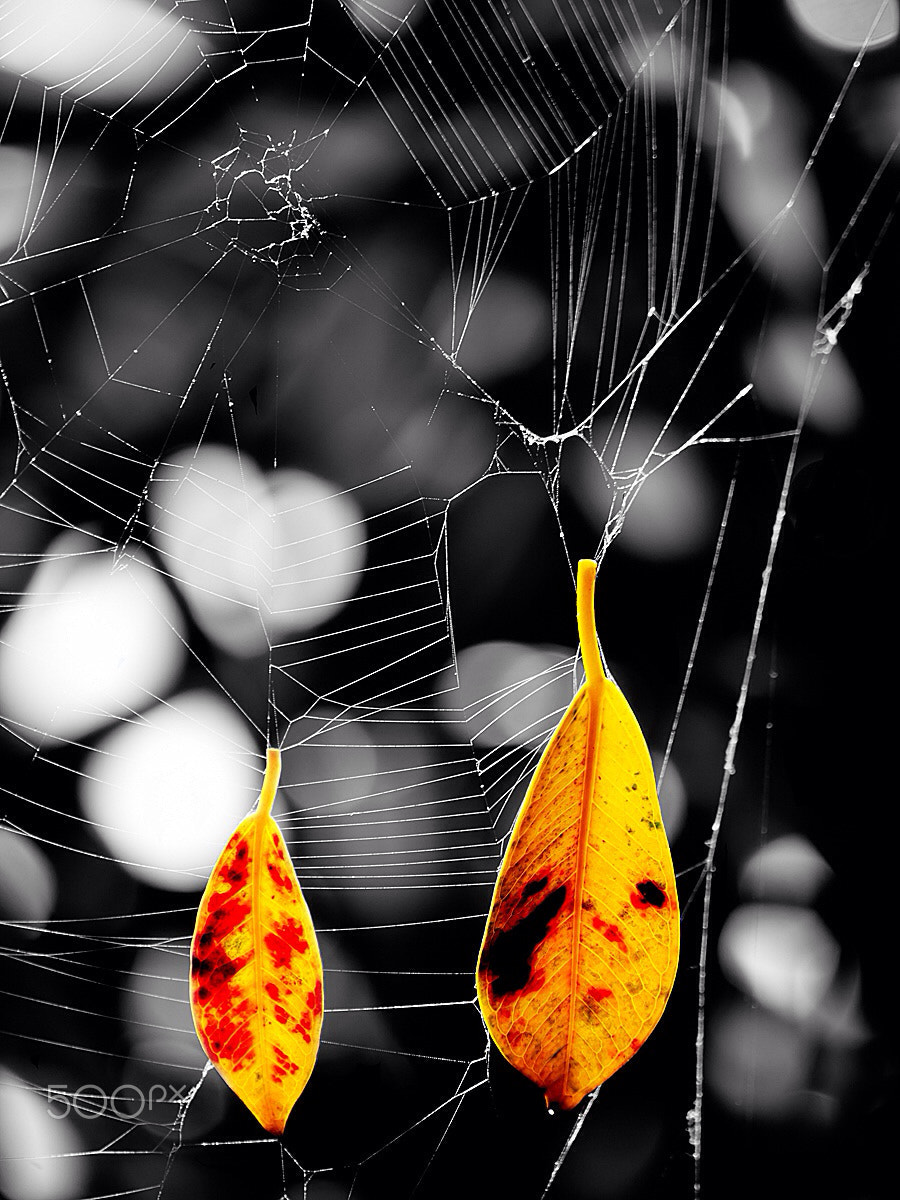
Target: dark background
(316, 352)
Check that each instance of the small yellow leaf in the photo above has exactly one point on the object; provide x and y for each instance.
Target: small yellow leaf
(256, 974)
(581, 943)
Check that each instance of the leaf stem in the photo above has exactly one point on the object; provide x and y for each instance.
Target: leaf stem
(587, 624)
(270, 782)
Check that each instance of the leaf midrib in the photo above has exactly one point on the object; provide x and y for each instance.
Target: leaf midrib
(594, 695)
(261, 1041)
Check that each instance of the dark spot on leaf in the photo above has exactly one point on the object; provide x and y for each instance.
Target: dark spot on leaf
(222, 971)
(532, 889)
(651, 893)
(507, 957)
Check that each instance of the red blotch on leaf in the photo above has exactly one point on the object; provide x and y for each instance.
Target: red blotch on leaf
(599, 993)
(286, 938)
(314, 999)
(612, 933)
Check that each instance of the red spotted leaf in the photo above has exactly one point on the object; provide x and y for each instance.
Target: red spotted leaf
(256, 974)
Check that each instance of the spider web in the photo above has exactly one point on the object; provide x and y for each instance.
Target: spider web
(328, 346)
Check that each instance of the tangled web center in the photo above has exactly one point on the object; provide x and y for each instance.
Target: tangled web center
(259, 206)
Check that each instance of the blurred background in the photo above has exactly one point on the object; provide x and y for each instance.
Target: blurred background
(327, 348)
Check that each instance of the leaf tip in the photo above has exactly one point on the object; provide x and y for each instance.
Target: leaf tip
(274, 1124)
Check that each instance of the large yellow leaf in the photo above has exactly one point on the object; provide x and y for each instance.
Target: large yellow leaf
(581, 944)
(256, 974)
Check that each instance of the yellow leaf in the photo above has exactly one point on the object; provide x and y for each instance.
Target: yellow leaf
(256, 974)
(581, 943)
